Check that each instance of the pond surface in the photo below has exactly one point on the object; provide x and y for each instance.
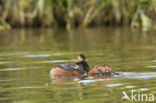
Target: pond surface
(26, 57)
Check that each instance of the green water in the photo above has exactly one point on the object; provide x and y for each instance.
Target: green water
(26, 57)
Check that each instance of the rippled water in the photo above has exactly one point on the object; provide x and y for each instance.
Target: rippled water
(26, 57)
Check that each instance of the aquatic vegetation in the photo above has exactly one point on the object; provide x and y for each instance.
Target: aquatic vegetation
(77, 13)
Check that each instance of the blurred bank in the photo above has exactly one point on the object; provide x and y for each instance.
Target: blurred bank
(77, 13)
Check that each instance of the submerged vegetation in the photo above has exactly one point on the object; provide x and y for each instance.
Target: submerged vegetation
(77, 13)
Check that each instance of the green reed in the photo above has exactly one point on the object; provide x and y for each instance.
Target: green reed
(77, 13)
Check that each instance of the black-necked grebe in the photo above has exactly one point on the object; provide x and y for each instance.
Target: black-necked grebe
(79, 68)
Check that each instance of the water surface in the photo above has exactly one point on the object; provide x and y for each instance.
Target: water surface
(26, 57)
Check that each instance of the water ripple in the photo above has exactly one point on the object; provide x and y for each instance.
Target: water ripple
(153, 60)
(57, 54)
(129, 86)
(152, 66)
(90, 81)
(37, 55)
(143, 89)
(10, 69)
(132, 75)
(113, 85)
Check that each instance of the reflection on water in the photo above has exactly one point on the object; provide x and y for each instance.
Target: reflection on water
(139, 75)
(37, 55)
(6, 69)
(26, 57)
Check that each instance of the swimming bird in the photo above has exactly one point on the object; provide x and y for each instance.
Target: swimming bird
(62, 70)
(79, 69)
(98, 70)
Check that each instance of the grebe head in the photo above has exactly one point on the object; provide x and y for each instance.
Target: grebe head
(81, 57)
(81, 61)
